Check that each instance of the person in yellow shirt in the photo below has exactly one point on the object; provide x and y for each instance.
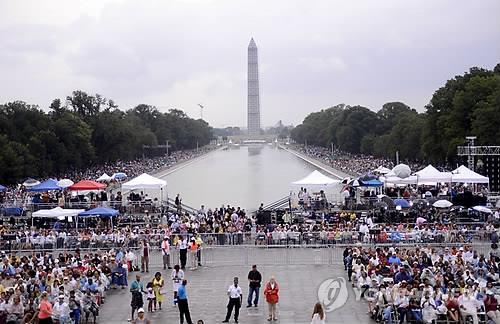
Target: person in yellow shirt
(199, 242)
(176, 240)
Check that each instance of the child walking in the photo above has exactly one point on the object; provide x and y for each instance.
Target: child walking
(151, 296)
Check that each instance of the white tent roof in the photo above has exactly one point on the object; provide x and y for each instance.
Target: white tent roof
(144, 181)
(382, 170)
(465, 175)
(397, 180)
(104, 177)
(316, 178)
(57, 212)
(430, 174)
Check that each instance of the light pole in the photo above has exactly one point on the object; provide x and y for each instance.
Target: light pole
(201, 111)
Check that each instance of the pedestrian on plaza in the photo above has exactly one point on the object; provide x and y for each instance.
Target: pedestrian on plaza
(158, 284)
(318, 316)
(177, 277)
(150, 296)
(144, 256)
(165, 252)
(183, 246)
(141, 318)
(136, 289)
(199, 242)
(235, 299)
(271, 292)
(193, 253)
(254, 280)
(130, 257)
(182, 302)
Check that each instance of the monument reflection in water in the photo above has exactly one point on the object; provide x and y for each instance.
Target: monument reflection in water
(240, 176)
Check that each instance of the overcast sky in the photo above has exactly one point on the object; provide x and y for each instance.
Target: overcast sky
(312, 54)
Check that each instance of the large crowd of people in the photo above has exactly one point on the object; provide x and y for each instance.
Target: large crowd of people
(352, 164)
(132, 169)
(228, 225)
(426, 284)
(398, 283)
(75, 284)
(67, 288)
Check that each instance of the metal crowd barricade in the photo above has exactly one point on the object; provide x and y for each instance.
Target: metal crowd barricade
(260, 239)
(246, 255)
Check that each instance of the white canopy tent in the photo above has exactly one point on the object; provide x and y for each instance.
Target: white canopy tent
(431, 175)
(382, 170)
(317, 181)
(147, 182)
(144, 181)
(462, 174)
(57, 212)
(398, 181)
(105, 177)
(316, 178)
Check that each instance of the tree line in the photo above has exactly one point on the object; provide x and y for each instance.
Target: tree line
(86, 130)
(466, 105)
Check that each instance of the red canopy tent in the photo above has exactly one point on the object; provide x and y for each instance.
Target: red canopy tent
(87, 185)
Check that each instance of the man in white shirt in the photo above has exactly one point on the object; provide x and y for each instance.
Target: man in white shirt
(363, 232)
(130, 257)
(61, 311)
(165, 252)
(369, 221)
(468, 307)
(183, 246)
(235, 299)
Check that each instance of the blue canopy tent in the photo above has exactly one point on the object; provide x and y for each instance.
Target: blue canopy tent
(402, 203)
(372, 183)
(12, 211)
(48, 185)
(100, 212)
(2, 188)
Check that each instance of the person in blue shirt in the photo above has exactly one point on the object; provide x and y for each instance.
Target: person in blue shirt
(395, 237)
(119, 276)
(402, 275)
(394, 259)
(182, 302)
(91, 285)
(137, 289)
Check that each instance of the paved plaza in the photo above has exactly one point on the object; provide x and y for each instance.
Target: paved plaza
(207, 287)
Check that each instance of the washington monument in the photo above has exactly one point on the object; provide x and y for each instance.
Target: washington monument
(253, 90)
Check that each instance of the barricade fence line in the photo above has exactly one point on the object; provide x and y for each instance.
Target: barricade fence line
(122, 240)
(246, 255)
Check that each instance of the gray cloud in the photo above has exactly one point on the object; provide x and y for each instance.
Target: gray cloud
(313, 54)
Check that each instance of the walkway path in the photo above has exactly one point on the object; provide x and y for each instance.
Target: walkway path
(207, 295)
(317, 163)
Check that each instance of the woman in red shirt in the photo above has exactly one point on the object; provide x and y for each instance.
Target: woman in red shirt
(45, 313)
(271, 293)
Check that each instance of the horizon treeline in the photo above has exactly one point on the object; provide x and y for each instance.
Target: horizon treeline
(86, 130)
(467, 105)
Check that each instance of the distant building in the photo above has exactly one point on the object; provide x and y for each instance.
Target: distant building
(253, 121)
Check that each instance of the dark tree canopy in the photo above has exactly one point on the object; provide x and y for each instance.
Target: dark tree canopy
(86, 130)
(466, 105)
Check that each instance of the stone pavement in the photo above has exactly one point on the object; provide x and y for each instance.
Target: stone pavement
(207, 297)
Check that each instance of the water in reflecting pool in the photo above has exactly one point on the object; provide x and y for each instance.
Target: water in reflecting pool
(240, 176)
